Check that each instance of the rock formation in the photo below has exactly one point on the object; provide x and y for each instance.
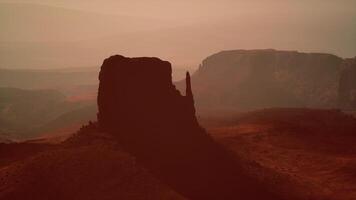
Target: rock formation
(139, 91)
(139, 105)
(255, 79)
(347, 85)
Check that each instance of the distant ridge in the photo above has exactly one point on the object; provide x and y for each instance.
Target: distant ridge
(254, 79)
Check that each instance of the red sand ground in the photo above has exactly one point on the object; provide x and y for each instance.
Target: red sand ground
(313, 149)
(80, 168)
(300, 153)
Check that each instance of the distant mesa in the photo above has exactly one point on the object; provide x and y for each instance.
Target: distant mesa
(255, 79)
(347, 85)
(139, 105)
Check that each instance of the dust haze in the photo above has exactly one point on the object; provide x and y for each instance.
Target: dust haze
(157, 99)
(56, 34)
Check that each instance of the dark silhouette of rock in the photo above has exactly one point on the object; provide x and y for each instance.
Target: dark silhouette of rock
(139, 91)
(148, 116)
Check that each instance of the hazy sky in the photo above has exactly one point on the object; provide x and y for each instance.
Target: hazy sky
(204, 9)
(183, 31)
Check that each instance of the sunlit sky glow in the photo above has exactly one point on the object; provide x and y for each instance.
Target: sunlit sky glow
(189, 29)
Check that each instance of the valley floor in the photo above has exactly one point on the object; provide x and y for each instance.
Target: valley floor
(298, 153)
(313, 150)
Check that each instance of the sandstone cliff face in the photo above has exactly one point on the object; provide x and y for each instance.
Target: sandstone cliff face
(139, 105)
(252, 79)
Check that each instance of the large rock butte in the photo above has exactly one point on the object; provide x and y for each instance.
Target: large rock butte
(138, 92)
(139, 105)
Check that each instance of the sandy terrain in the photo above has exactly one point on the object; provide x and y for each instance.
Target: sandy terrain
(80, 168)
(298, 153)
(312, 149)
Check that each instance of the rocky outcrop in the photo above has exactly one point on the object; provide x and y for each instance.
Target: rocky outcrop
(253, 79)
(139, 105)
(138, 92)
(347, 85)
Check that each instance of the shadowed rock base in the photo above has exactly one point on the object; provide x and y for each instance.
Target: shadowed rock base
(141, 107)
